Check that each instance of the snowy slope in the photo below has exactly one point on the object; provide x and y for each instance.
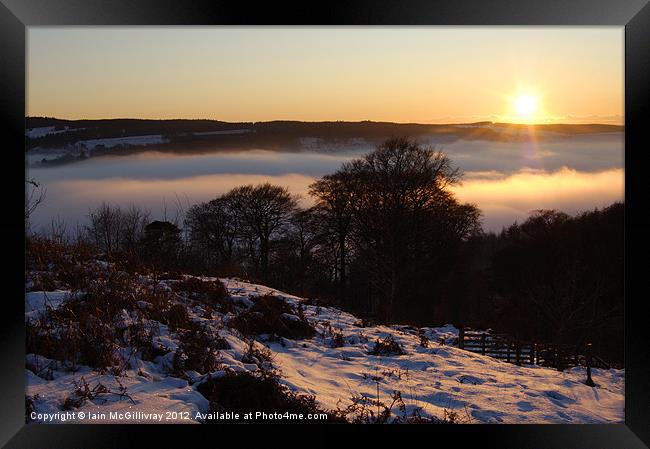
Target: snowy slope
(110, 142)
(431, 379)
(34, 133)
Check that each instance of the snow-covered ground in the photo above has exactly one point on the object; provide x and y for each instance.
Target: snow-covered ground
(37, 302)
(37, 156)
(152, 139)
(34, 133)
(433, 379)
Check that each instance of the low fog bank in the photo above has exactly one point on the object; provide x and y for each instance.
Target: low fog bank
(506, 180)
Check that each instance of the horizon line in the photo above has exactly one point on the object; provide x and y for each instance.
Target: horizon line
(332, 121)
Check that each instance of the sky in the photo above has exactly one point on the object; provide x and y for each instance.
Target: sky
(399, 74)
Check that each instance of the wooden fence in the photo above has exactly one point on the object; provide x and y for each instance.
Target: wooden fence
(505, 347)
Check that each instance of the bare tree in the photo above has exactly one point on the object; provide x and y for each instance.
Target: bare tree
(112, 228)
(402, 211)
(213, 230)
(264, 210)
(34, 195)
(334, 204)
(133, 222)
(104, 227)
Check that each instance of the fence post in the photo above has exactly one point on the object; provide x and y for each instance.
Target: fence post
(532, 353)
(517, 353)
(461, 338)
(483, 344)
(589, 381)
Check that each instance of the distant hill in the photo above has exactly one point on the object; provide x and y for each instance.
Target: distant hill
(112, 135)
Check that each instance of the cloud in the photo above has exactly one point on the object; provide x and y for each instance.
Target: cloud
(505, 199)
(506, 180)
(71, 199)
(502, 198)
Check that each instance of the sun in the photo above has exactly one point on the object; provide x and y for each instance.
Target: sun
(526, 105)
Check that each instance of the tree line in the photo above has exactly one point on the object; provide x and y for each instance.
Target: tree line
(386, 238)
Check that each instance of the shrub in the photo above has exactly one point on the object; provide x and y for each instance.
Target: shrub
(363, 322)
(140, 335)
(176, 317)
(96, 346)
(367, 410)
(126, 260)
(42, 368)
(83, 392)
(110, 292)
(56, 341)
(41, 253)
(424, 340)
(387, 347)
(318, 302)
(69, 263)
(42, 281)
(337, 339)
(449, 417)
(72, 335)
(105, 297)
(272, 315)
(76, 276)
(262, 357)
(197, 349)
(244, 392)
(171, 276)
(211, 293)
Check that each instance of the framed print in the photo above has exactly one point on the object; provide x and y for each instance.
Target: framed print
(424, 215)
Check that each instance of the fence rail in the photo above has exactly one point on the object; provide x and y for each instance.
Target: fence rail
(512, 350)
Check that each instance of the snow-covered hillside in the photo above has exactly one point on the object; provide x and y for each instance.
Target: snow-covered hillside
(432, 378)
(110, 142)
(34, 133)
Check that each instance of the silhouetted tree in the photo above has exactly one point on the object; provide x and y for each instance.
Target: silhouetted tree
(111, 228)
(292, 257)
(334, 206)
(160, 245)
(564, 277)
(263, 213)
(403, 211)
(213, 229)
(133, 223)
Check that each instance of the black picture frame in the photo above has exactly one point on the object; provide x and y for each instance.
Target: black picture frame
(634, 15)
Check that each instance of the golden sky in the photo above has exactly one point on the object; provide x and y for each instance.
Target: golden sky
(400, 74)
